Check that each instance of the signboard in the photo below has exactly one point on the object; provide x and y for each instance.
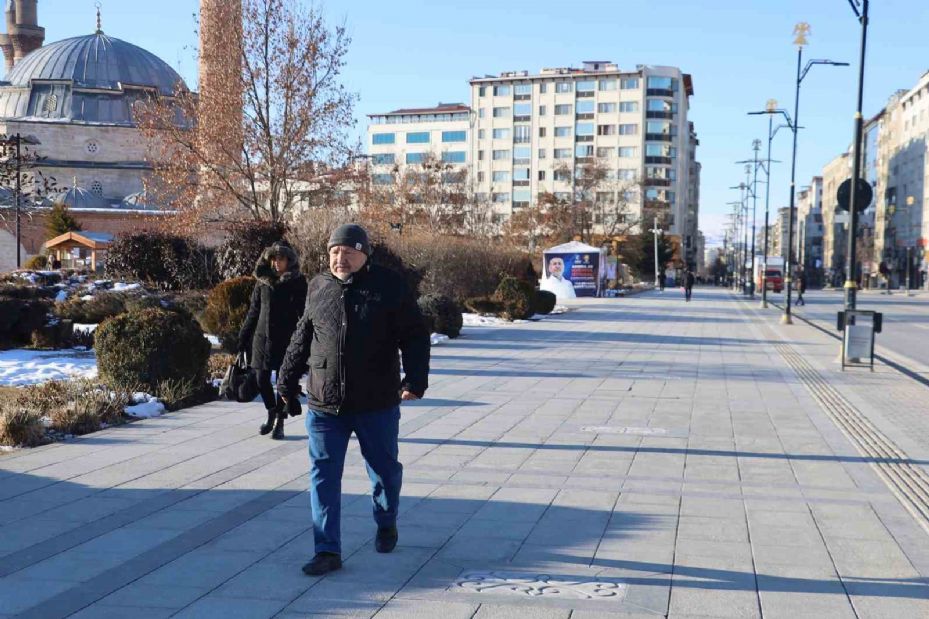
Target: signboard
(580, 271)
(863, 195)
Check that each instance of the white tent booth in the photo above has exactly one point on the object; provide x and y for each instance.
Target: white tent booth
(573, 269)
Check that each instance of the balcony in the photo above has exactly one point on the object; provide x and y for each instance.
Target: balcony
(658, 182)
(581, 94)
(584, 116)
(659, 92)
(520, 183)
(664, 160)
(522, 119)
(584, 138)
(665, 115)
(658, 137)
(521, 97)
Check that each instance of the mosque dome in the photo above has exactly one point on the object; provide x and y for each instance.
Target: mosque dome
(79, 198)
(91, 79)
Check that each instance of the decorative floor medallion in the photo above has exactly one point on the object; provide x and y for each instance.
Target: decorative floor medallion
(540, 585)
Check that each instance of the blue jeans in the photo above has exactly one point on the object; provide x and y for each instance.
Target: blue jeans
(377, 433)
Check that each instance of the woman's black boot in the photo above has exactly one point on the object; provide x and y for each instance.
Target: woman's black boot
(269, 425)
(278, 434)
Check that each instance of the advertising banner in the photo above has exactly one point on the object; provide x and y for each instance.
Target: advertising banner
(572, 270)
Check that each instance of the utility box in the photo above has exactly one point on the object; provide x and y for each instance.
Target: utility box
(858, 328)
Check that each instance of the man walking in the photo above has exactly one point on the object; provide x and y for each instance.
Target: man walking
(688, 284)
(801, 286)
(357, 317)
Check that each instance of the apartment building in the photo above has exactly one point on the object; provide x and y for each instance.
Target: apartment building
(531, 132)
(409, 136)
(810, 229)
(834, 219)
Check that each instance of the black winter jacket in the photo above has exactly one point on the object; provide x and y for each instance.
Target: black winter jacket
(276, 306)
(351, 333)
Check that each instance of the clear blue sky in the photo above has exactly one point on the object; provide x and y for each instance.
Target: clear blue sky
(410, 53)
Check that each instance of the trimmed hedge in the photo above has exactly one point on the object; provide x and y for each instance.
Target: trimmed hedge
(161, 260)
(442, 314)
(544, 302)
(19, 318)
(226, 307)
(143, 349)
(516, 297)
(94, 310)
(238, 254)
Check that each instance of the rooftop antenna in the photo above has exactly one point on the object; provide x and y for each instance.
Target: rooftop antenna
(99, 25)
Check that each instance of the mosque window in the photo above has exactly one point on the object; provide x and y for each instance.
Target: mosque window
(92, 147)
(51, 104)
(96, 188)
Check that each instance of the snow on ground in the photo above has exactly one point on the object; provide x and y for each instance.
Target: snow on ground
(438, 338)
(122, 287)
(145, 406)
(214, 340)
(85, 327)
(29, 367)
(478, 320)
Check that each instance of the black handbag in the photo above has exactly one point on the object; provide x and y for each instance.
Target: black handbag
(240, 383)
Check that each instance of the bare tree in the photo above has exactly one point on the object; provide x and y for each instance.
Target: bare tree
(295, 118)
(34, 185)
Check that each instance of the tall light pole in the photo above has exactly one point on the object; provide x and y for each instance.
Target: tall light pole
(753, 165)
(736, 241)
(655, 232)
(851, 278)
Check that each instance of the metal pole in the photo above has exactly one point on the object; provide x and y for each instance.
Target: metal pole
(755, 147)
(788, 270)
(909, 264)
(767, 203)
(655, 239)
(851, 278)
(19, 244)
(747, 275)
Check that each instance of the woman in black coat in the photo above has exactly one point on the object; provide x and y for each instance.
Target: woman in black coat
(276, 305)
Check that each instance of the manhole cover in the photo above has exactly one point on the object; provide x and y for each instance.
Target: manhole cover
(541, 585)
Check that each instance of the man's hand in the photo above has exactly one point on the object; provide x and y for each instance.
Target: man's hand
(408, 395)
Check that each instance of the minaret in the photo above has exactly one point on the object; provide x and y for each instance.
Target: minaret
(23, 33)
(220, 71)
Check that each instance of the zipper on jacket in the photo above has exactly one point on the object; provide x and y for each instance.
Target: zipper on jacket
(343, 332)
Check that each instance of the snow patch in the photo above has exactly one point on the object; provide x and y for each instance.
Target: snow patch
(145, 406)
(214, 340)
(123, 287)
(479, 320)
(30, 367)
(85, 327)
(438, 338)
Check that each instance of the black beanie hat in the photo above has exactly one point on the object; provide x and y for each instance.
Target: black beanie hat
(351, 235)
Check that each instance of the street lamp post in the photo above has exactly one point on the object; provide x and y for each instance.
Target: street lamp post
(851, 279)
(751, 169)
(655, 232)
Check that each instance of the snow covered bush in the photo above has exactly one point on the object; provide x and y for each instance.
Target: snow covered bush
(516, 297)
(239, 253)
(442, 314)
(226, 307)
(93, 310)
(544, 302)
(139, 350)
(162, 260)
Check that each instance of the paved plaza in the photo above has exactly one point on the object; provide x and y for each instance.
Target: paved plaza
(637, 457)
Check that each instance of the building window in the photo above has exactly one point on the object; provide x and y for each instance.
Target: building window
(501, 112)
(502, 90)
(480, 113)
(521, 174)
(521, 195)
(605, 152)
(585, 107)
(382, 179)
(50, 106)
(607, 197)
(500, 155)
(541, 175)
(542, 110)
(522, 89)
(522, 109)
(501, 176)
(415, 157)
(562, 175)
(584, 129)
(481, 91)
(419, 137)
(522, 154)
(562, 153)
(563, 196)
(480, 134)
(660, 105)
(562, 132)
(629, 83)
(456, 156)
(586, 86)
(627, 152)
(480, 155)
(662, 83)
(626, 174)
(92, 147)
(541, 132)
(563, 109)
(480, 177)
(500, 197)
(542, 153)
(563, 87)
(383, 159)
(607, 85)
(606, 108)
(501, 134)
(584, 150)
(454, 136)
(606, 129)
(629, 106)
(382, 138)
(629, 129)
(522, 134)
(543, 88)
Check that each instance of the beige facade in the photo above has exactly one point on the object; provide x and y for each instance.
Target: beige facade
(834, 219)
(527, 127)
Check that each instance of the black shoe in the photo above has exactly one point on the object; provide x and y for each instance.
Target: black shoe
(386, 539)
(278, 434)
(266, 427)
(323, 563)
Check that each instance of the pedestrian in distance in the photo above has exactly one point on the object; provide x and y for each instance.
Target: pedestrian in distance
(688, 284)
(801, 286)
(357, 317)
(276, 305)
